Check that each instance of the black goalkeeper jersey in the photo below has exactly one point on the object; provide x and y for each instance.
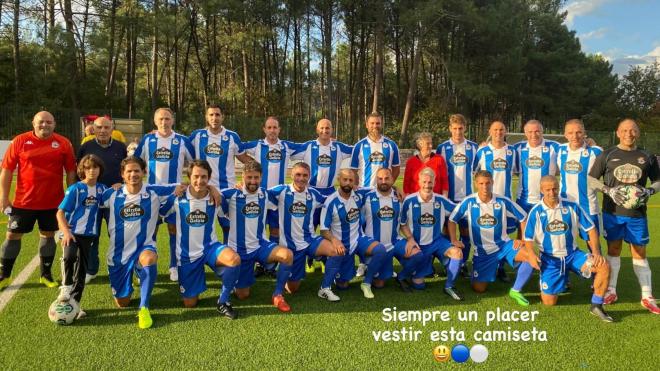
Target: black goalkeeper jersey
(620, 167)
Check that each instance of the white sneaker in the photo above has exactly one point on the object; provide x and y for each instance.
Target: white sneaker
(89, 278)
(361, 270)
(174, 274)
(394, 275)
(326, 293)
(366, 290)
(81, 314)
(65, 293)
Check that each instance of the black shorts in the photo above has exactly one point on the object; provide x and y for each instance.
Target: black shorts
(22, 220)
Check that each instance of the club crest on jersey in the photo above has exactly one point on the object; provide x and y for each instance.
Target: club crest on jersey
(353, 215)
(426, 220)
(55, 145)
(585, 153)
(385, 145)
(627, 173)
(214, 150)
(499, 164)
(197, 218)
(385, 213)
(298, 209)
(377, 157)
(436, 205)
(324, 160)
(487, 221)
(564, 210)
(641, 160)
(274, 155)
(225, 138)
(468, 147)
(163, 154)
(509, 152)
(556, 227)
(175, 141)
(572, 167)
(251, 210)
(131, 212)
(90, 201)
(535, 162)
(458, 159)
(545, 149)
(497, 206)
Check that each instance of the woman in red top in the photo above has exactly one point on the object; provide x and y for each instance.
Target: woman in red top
(425, 158)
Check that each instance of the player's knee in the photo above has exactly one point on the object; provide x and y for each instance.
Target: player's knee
(46, 234)
(14, 236)
(379, 284)
(122, 302)
(549, 300)
(292, 286)
(234, 260)
(148, 258)
(479, 288)
(190, 302)
(242, 294)
(454, 253)
(171, 228)
(284, 255)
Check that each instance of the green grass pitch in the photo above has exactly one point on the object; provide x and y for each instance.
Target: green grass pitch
(318, 334)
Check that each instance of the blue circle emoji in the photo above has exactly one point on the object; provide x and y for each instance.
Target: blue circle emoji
(460, 353)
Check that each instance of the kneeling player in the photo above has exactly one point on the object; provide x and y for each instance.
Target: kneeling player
(246, 210)
(553, 224)
(197, 242)
(488, 216)
(341, 225)
(422, 217)
(296, 205)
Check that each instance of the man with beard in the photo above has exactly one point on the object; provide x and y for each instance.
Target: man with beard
(375, 151)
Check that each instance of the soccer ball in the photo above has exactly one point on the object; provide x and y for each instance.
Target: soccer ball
(632, 194)
(63, 312)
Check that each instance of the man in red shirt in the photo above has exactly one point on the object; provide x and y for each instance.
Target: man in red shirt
(40, 157)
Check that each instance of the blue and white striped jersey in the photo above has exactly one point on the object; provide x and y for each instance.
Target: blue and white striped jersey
(296, 211)
(460, 163)
(164, 157)
(274, 159)
(247, 216)
(81, 207)
(324, 161)
(369, 156)
(574, 169)
(533, 164)
(381, 216)
(426, 218)
(342, 218)
(220, 151)
(501, 162)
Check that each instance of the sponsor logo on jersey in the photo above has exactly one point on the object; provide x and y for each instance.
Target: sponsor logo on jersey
(131, 212)
(486, 221)
(627, 173)
(458, 159)
(377, 157)
(353, 215)
(385, 213)
(641, 160)
(426, 220)
(55, 145)
(214, 150)
(251, 210)
(298, 209)
(535, 162)
(163, 154)
(572, 167)
(556, 227)
(499, 164)
(274, 155)
(324, 160)
(90, 201)
(197, 218)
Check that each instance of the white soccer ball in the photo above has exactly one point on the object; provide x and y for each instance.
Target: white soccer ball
(63, 312)
(632, 194)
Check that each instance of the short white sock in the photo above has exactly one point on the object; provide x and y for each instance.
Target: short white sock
(643, 273)
(615, 265)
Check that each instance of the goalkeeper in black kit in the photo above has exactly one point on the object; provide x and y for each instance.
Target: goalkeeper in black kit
(624, 170)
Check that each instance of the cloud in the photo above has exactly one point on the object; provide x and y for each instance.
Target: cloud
(595, 34)
(579, 8)
(623, 63)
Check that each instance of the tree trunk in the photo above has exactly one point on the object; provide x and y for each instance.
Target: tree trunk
(17, 55)
(412, 86)
(378, 66)
(154, 60)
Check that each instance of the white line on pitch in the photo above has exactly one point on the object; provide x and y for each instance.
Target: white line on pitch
(10, 291)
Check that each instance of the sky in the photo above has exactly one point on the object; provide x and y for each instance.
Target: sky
(625, 32)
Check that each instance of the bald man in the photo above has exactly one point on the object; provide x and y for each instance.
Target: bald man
(40, 156)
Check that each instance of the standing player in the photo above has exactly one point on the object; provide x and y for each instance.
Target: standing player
(459, 154)
(197, 242)
(77, 219)
(164, 152)
(422, 216)
(296, 204)
(375, 151)
(537, 157)
(381, 213)
(39, 157)
(341, 225)
(246, 210)
(133, 218)
(553, 224)
(488, 215)
(219, 146)
(622, 165)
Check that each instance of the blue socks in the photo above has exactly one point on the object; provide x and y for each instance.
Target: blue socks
(147, 281)
(524, 274)
(466, 249)
(452, 271)
(595, 299)
(378, 257)
(410, 265)
(229, 278)
(172, 250)
(332, 265)
(283, 274)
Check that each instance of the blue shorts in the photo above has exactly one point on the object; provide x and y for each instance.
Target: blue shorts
(192, 278)
(387, 269)
(121, 276)
(554, 272)
(300, 258)
(273, 219)
(347, 266)
(246, 277)
(525, 205)
(597, 220)
(631, 230)
(224, 221)
(484, 268)
(436, 249)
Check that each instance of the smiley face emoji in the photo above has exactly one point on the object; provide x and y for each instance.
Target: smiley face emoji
(441, 353)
